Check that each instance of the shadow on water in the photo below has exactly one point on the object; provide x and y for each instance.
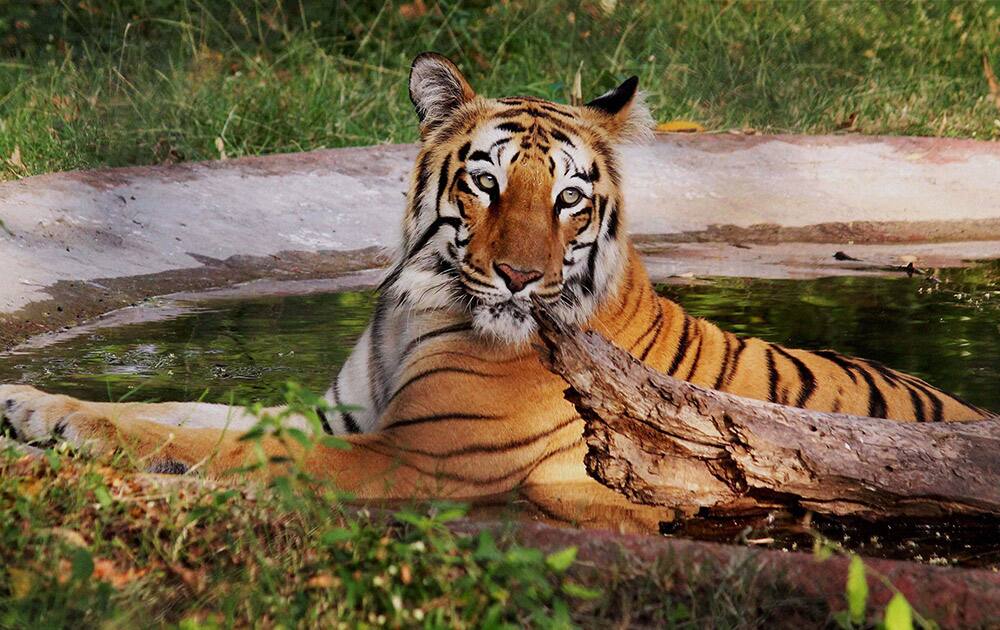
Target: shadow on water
(943, 327)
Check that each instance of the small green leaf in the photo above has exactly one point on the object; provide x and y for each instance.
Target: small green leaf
(843, 620)
(450, 514)
(580, 592)
(335, 536)
(493, 616)
(680, 612)
(821, 550)
(83, 564)
(487, 548)
(283, 486)
(560, 618)
(103, 496)
(54, 460)
(254, 433)
(857, 589)
(898, 614)
(561, 560)
(332, 441)
(221, 498)
(524, 555)
(417, 520)
(300, 436)
(818, 300)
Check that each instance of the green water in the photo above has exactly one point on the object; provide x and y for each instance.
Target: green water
(946, 331)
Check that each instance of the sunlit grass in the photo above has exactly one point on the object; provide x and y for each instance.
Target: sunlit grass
(140, 82)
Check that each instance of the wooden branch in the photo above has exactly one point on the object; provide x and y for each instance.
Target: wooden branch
(665, 442)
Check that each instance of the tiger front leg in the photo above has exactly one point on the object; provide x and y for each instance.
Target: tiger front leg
(167, 437)
(376, 466)
(34, 417)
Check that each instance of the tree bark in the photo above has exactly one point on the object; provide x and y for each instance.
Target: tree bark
(665, 442)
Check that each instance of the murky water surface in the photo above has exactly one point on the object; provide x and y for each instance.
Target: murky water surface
(945, 329)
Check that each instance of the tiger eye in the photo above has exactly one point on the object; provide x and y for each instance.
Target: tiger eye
(570, 196)
(486, 181)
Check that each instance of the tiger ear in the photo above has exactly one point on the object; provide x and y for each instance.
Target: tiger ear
(622, 112)
(437, 89)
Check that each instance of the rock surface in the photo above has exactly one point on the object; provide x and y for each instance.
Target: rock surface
(90, 225)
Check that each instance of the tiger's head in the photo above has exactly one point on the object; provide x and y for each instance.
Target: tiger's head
(513, 197)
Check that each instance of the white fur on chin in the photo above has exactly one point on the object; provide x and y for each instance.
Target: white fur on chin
(507, 322)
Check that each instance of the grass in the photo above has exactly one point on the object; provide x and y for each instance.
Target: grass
(85, 543)
(126, 82)
(89, 546)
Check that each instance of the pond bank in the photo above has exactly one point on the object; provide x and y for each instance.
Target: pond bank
(85, 243)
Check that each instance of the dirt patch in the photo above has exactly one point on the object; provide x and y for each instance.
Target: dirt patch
(861, 232)
(73, 302)
(910, 148)
(376, 161)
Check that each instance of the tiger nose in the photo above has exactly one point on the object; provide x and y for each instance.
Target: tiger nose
(516, 279)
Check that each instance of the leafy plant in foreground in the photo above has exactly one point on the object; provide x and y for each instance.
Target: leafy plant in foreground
(82, 542)
(898, 613)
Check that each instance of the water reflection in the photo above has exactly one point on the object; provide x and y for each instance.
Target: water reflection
(945, 329)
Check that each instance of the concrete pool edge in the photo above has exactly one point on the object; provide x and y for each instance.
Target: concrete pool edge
(87, 242)
(177, 304)
(72, 304)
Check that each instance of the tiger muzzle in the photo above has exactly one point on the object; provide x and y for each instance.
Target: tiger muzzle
(516, 279)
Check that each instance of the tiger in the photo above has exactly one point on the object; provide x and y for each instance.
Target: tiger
(444, 395)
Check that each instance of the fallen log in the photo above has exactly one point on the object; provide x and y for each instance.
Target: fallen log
(698, 452)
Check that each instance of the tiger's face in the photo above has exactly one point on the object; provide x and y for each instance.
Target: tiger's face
(513, 198)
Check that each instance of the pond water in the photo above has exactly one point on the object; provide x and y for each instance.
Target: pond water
(944, 328)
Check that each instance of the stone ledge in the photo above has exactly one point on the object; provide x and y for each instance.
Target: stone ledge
(87, 242)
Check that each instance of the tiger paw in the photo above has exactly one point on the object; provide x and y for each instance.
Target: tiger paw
(31, 416)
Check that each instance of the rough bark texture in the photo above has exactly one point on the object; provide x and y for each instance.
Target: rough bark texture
(662, 441)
